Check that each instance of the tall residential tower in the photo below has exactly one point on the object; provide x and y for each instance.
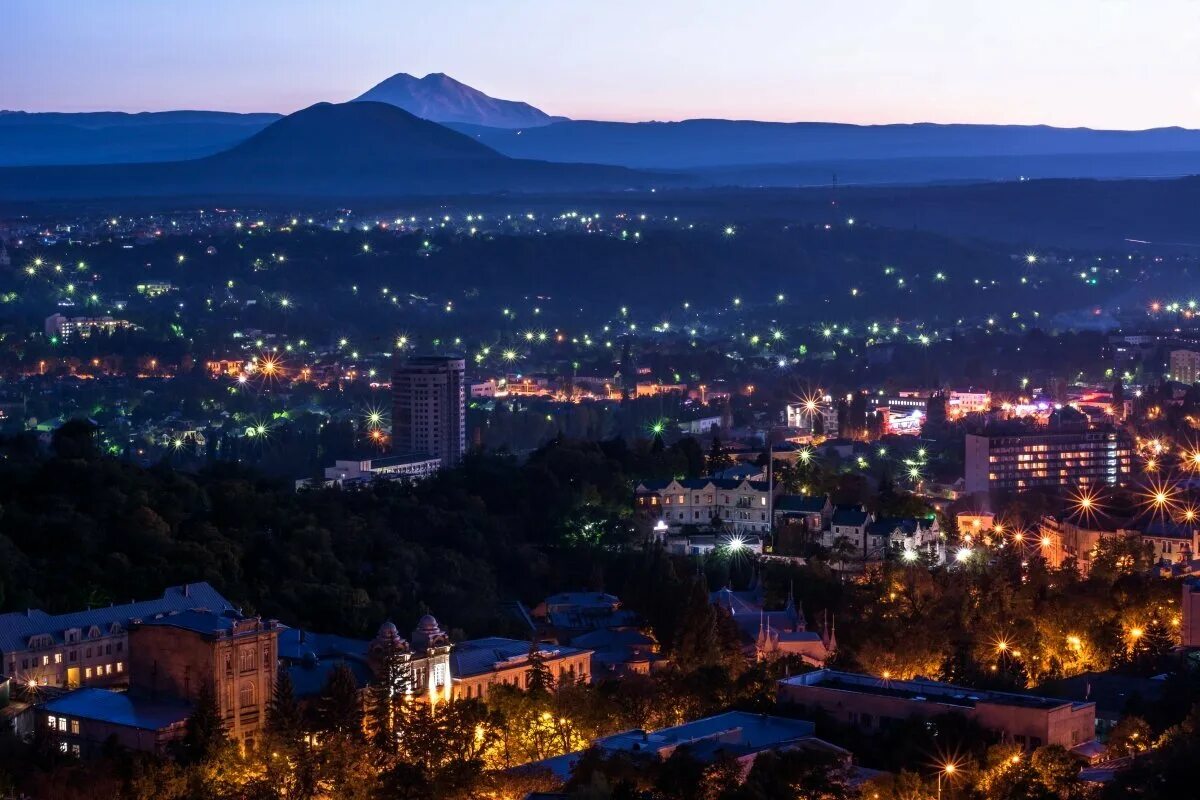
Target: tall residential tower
(428, 408)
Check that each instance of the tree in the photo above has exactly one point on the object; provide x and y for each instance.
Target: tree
(538, 679)
(1168, 771)
(389, 693)
(799, 774)
(340, 705)
(681, 776)
(904, 785)
(283, 712)
(1130, 736)
(1157, 641)
(718, 459)
(935, 413)
(205, 733)
(1056, 769)
(75, 438)
(697, 642)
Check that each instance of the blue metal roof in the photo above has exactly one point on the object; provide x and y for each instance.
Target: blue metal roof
(202, 622)
(309, 677)
(850, 517)
(119, 708)
(479, 656)
(17, 627)
(311, 657)
(296, 644)
(734, 731)
(801, 504)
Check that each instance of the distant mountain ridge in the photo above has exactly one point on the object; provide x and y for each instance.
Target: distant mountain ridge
(346, 150)
(440, 98)
(713, 152)
(705, 143)
(100, 137)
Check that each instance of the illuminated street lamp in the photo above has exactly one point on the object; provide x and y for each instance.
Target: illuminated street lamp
(948, 770)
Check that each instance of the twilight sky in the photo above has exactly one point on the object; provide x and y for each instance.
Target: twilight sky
(1099, 63)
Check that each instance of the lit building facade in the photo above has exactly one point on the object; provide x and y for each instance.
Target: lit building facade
(429, 408)
(736, 506)
(1189, 634)
(173, 656)
(1085, 457)
(869, 703)
(87, 648)
(352, 472)
(67, 328)
(478, 665)
(1185, 366)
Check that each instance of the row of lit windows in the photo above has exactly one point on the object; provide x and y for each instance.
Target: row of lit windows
(62, 724)
(708, 499)
(71, 655)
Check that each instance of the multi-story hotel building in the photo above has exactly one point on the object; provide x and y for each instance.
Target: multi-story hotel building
(66, 328)
(1185, 366)
(1059, 458)
(429, 408)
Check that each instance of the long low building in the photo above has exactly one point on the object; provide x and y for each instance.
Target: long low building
(739, 735)
(91, 647)
(441, 670)
(872, 703)
(81, 722)
(737, 506)
(404, 467)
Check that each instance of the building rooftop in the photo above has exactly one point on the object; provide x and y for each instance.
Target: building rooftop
(849, 517)
(736, 726)
(800, 504)
(738, 732)
(399, 460)
(296, 643)
(198, 621)
(596, 600)
(920, 690)
(1110, 691)
(17, 627)
(480, 656)
(119, 708)
(885, 526)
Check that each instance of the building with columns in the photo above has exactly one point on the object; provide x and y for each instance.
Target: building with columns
(173, 658)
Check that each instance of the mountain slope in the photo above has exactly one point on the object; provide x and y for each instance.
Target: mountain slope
(440, 98)
(115, 137)
(349, 150)
(377, 133)
(705, 143)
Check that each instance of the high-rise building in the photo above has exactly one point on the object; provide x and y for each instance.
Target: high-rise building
(1189, 635)
(1185, 366)
(429, 411)
(1062, 458)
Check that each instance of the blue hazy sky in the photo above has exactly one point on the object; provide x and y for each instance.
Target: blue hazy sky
(1101, 63)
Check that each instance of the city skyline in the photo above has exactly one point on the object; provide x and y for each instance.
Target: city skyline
(775, 61)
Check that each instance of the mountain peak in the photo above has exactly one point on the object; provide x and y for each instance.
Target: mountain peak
(359, 133)
(440, 98)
